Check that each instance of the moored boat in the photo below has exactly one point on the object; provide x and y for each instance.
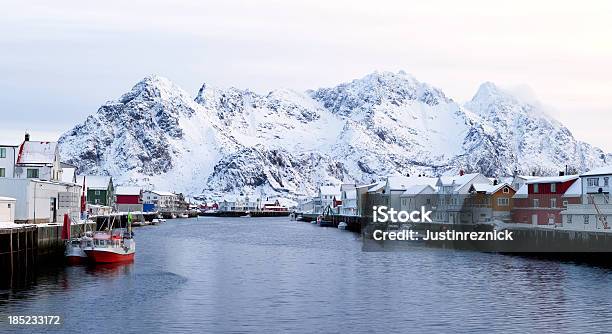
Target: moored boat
(117, 245)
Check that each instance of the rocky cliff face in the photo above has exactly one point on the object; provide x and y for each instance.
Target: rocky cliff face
(289, 142)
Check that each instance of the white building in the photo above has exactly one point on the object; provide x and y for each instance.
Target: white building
(595, 210)
(326, 197)
(452, 192)
(7, 210)
(8, 158)
(39, 201)
(396, 186)
(238, 203)
(38, 160)
(162, 200)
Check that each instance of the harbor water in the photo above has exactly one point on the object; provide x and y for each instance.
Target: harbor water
(272, 275)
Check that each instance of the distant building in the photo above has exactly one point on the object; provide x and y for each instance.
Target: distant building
(593, 211)
(128, 199)
(163, 201)
(99, 189)
(417, 196)
(488, 202)
(541, 200)
(327, 196)
(452, 192)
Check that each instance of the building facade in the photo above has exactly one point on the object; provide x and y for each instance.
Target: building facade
(541, 200)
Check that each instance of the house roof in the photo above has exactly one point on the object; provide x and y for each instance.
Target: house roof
(163, 193)
(489, 188)
(522, 192)
(404, 182)
(2, 198)
(37, 152)
(457, 180)
(95, 182)
(127, 191)
(377, 186)
(575, 190)
(330, 190)
(605, 170)
(552, 179)
(416, 189)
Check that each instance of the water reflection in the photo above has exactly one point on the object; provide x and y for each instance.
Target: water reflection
(272, 275)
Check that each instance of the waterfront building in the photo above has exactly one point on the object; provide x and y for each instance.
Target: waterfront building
(541, 200)
(352, 197)
(417, 196)
(593, 211)
(7, 210)
(327, 196)
(40, 201)
(128, 199)
(489, 202)
(38, 160)
(158, 200)
(396, 186)
(98, 189)
(452, 192)
(240, 203)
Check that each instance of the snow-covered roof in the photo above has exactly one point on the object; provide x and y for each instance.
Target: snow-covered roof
(127, 191)
(37, 152)
(403, 182)
(605, 170)
(95, 182)
(457, 180)
(522, 192)
(9, 199)
(489, 188)
(162, 193)
(416, 189)
(68, 174)
(377, 186)
(575, 190)
(330, 190)
(552, 179)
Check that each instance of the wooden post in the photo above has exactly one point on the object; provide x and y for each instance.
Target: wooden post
(11, 251)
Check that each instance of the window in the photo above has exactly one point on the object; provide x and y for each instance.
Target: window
(593, 182)
(586, 219)
(2, 152)
(428, 201)
(536, 203)
(535, 188)
(506, 190)
(564, 203)
(553, 187)
(97, 192)
(569, 219)
(606, 181)
(32, 173)
(2, 172)
(553, 202)
(503, 201)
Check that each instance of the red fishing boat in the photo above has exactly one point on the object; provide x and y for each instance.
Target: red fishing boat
(118, 245)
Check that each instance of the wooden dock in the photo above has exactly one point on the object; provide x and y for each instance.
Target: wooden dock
(354, 222)
(22, 247)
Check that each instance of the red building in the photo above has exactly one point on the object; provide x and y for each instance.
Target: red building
(540, 201)
(128, 199)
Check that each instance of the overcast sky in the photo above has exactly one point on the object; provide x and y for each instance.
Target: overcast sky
(60, 60)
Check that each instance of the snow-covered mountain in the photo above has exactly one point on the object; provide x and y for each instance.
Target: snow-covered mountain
(232, 140)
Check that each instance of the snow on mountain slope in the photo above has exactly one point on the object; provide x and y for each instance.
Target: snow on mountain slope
(286, 142)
